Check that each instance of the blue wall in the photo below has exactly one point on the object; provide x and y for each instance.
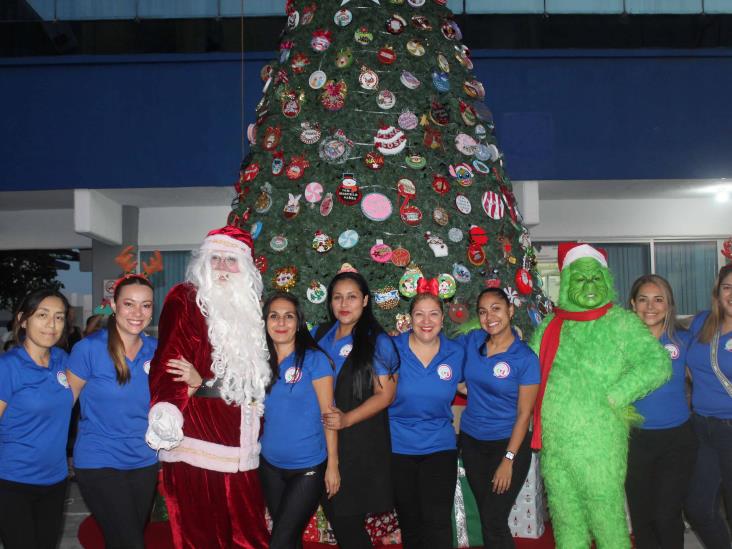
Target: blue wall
(174, 120)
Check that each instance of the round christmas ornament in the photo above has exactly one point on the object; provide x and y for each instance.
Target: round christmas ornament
(484, 114)
(493, 205)
(400, 257)
(285, 278)
(299, 63)
(322, 242)
(420, 22)
(296, 168)
(316, 292)
(482, 152)
(386, 298)
(386, 99)
(462, 203)
(313, 192)
(256, 229)
(465, 144)
(260, 262)
(317, 79)
(441, 81)
(476, 255)
(474, 88)
(395, 24)
(461, 273)
(455, 235)
(478, 235)
(291, 105)
(363, 36)
(390, 140)
(451, 30)
(411, 215)
(380, 252)
(481, 167)
(293, 20)
(415, 160)
(416, 48)
(348, 239)
(416, 3)
(494, 153)
(403, 323)
(439, 114)
(263, 202)
(408, 281)
(408, 120)
(343, 17)
(321, 40)
(374, 160)
(463, 173)
(462, 54)
(467, 113)
(344, 58)
(440, 184)
(376, 207)
(446, 286)
(368, 79)
(524, 282)
(442, 63)
(440, 216)
(348, 192)
(271, 138)
(436, 244)
(252, 134)
(386, 55)
(334, 95)
(458, 312)
(292, 208)
(336, 148)
(406, 188)
(278, 243)
(480, 131)
(326, 206)
(266, 73)
(310, 133)
(409, 80)
(278, 163)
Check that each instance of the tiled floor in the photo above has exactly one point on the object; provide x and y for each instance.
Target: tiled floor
(76, 512)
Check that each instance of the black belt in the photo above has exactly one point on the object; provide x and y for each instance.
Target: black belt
(206, 391)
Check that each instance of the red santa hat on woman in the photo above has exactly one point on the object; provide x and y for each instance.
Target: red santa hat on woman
(228, 238)
(569, 252)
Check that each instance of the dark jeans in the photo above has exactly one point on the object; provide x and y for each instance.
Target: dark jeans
(424, 490)
(712, 479)
(120, 501)
(292, 497)
(481, 459)
(660, 462)
(350, 530)
(31, 516)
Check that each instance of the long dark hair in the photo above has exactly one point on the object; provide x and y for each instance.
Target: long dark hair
(365, 333)
(115, 346)
(28, 308)
(303, 340)
(501, 294)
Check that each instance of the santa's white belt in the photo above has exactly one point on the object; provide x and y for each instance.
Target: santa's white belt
(216, 457)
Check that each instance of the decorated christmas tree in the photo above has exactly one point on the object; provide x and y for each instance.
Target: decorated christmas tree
(373, 147)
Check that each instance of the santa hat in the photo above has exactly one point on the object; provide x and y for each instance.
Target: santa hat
(228, 238)
(570, 252)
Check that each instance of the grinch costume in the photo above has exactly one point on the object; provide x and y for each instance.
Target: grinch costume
(596, 360)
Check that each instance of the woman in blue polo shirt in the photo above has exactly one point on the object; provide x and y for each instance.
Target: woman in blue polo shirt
(299, 457)
(709, 359)
(502, 377)
(423, 443)
(662, 451)
(115, 468)
(35, 408)
(366, 364)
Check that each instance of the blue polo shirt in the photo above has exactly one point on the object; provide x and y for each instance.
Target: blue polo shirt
(708, 396)
(493, 386)
(385, 356)
(35, 424)
(666, 407)
(113, 417)
(293, 436)
(420, 418)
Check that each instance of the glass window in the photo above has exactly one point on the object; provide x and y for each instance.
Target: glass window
(174, 271)
(690, 268)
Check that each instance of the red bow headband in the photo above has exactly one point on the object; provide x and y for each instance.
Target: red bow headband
(428, 286)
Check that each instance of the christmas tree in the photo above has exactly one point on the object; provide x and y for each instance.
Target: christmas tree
(372, 146)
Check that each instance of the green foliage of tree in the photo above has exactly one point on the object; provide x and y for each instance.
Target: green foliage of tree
(24, 271)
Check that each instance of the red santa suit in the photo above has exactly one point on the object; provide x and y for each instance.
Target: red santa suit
(210, 478)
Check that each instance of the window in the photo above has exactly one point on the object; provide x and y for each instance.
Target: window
(174, 271)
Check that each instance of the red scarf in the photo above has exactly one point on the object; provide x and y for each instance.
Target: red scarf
(547, 352)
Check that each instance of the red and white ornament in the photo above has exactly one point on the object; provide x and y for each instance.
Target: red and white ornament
(292, 208)
(493, 205)
(296, 168)
(348, 192)
(390, 140)
(524, 282)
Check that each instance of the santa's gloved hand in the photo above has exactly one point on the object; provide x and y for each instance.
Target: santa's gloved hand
(165, 427)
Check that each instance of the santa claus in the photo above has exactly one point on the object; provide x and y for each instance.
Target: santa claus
(207, 385)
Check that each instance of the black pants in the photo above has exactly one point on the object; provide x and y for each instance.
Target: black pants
(350, 530)
(481, 459)
(424, 490)
(31, 516)
(660, 462)
(120, 501)
(292, 496)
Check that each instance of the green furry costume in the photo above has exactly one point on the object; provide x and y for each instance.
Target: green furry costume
(601, 366)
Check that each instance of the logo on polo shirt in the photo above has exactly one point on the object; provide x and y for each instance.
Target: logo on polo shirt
(61, 378)
(445, 372)
(345, 350)
(146, 367)
(673, 350)
(501, 370)
(293, 375)
(728, 345)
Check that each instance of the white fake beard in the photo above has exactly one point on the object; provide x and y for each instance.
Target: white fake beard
(230, 304)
